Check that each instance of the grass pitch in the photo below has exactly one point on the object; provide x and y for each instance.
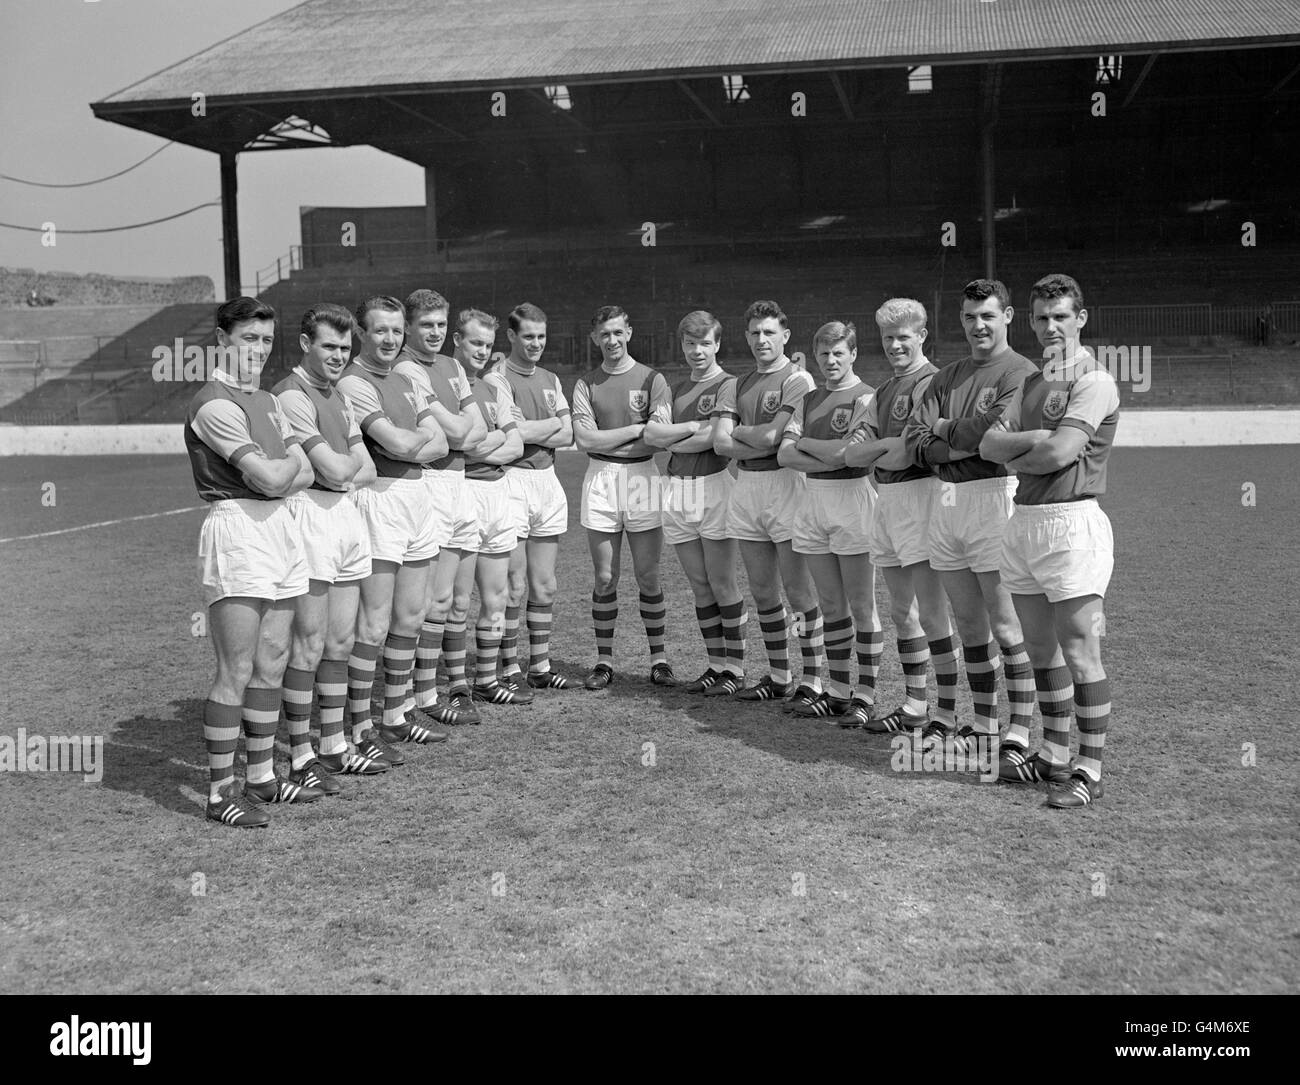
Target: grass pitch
(543, 851)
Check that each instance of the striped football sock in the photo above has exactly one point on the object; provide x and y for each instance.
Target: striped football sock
(221, 736)
(509, 652)
(871, 646)
(913, 656)
(1019, 676)
(735, 622)
(812, 647)
(1055, 699)
(332, 695)
(604, 614)
(261, 718)
(539, 617)
(453, 654)
(710, 619)
(487, 650)
(839, 652)
(428, 651)
(776, 640)
(1092, 712)
(981, 673)
(361, 686)
(943, 656)
(654, 616)
(399, 658)
(298, 687)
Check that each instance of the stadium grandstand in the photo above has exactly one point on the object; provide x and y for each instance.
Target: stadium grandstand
(829, 153)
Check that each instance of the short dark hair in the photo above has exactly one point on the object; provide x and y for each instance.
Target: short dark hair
(240, 311)
(525, 311)
(385, 303)
(424, 301)
(610, 312)
(836, 331)
(329, 314)
(761, 310)
(478, 317)
(1054, 286)
(982, 289)
(698, 325)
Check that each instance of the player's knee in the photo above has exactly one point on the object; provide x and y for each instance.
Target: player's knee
(517, 586)
(1083, 658)
(306, 649)
(865, 615)
(268, 667)
(542, 590)
(604, 582)
(233, 676)
(903, 614)
(338, 645)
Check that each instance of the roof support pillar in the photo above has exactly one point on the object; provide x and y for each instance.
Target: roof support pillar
(230, 224)
(431, 210)
(992, 82)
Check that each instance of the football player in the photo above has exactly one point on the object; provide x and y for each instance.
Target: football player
(540, 508)
(832, 524)
(336, 545)
(696, 496)
(971, 510)
(1058, 551)
(620, 493)
(246, 461)
(749, 420)
(900, 528)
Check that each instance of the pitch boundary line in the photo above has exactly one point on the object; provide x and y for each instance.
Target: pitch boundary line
(102, 523)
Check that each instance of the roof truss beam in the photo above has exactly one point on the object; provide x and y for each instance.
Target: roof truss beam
(699, 104)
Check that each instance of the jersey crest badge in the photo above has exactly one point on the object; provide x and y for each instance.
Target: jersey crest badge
(455, 387)
(986, 398)
(901, 408)
(413, 400)
(705, 404)
(548, 394)
(492, 413)
(770, 402)
(638, 401)
(1054, 405)
(840, 419)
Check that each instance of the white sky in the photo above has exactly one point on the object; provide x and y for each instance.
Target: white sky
(57, 56)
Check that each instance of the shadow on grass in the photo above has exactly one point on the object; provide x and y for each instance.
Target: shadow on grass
(160, 759)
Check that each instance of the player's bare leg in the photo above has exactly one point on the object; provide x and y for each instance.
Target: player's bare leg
(542, 554)
(459, 698)
(763, 570)
(834, 607)
(721, 563)
(965, 592)
(233, 625)
(262, 708)
(1017, 670)
(1055, 688)
(919, 611)
(374, 618)
(516, 595)
(808, 622)
(1079, 628)
(410, 601)
(707, 613)
(491, 575)
(647, 548)
(306, 650)
(429, 648)
(606, 552)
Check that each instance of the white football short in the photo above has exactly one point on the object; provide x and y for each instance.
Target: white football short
(333, 535)
(455, 515)
(696, 507)
(900, 529)
(251, 548)
(399, 518)
(763, 505)
(621, 496)
(493, 518)
(1062, 551)
(966, 523)
(537, 502)
(834, 516)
